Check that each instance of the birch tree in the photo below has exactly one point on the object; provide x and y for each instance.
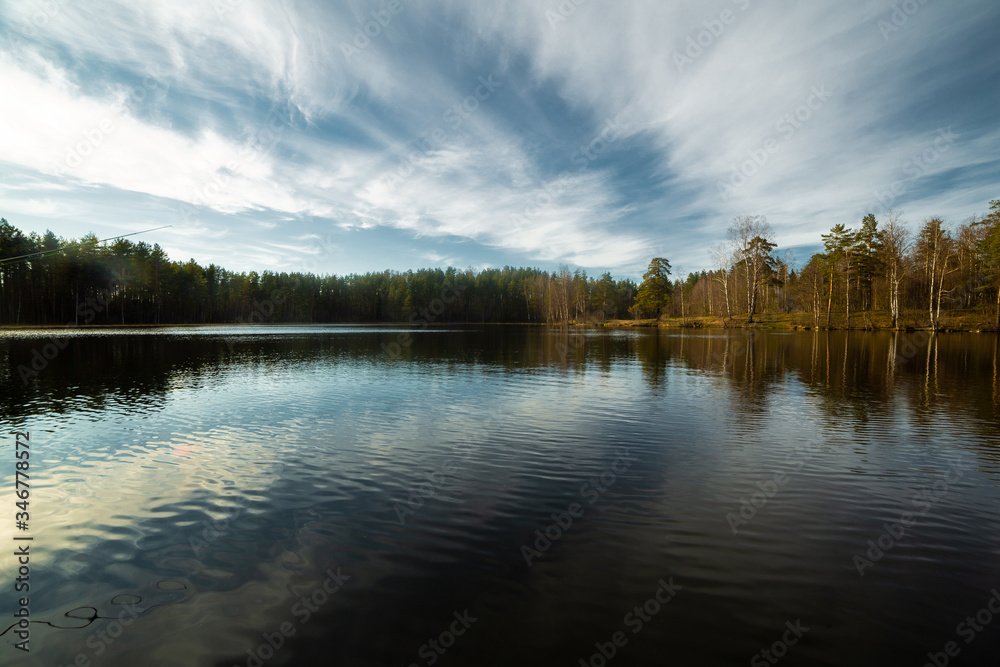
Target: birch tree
(751, 238)
(936, 251)
(895, 238)
(723, 256)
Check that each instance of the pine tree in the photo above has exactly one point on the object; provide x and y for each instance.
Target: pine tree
(654, 292)
(991, 249)
(839, 244)
(868, 249)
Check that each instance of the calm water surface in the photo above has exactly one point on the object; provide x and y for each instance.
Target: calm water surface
(517, 496)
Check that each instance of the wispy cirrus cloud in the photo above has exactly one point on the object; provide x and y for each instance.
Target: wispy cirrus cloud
(251, 123)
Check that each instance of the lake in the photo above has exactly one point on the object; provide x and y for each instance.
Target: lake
(360, 495)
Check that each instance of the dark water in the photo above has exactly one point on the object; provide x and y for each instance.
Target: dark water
(203, 486)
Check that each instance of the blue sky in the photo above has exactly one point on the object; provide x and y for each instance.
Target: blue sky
(357, 136)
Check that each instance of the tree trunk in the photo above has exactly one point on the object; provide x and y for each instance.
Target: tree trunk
(729, 310)
(894, 299)
(817, 300)
(933, 272)
(847, 295)
(937, 314)
(829, 305)
(749, 299)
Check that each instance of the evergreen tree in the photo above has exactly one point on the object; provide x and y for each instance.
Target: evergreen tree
(839, 245)
(991, 250)
(654, 292)
(868, 250)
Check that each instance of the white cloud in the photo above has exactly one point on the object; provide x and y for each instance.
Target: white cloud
(193, 134)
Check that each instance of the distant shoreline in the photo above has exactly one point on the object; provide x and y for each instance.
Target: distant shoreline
(195, 325)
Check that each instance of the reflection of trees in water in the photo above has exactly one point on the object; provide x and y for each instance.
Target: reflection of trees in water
(653, 352)
(858, 374)
(751, 363)
(996, 376)
(94, 368)
(99, 369)
(750, 368)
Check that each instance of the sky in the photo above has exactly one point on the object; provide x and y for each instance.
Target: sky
(359, 136)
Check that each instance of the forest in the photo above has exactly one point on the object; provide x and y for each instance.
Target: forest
(882, 274)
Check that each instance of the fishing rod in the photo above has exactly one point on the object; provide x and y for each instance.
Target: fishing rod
(42, 253)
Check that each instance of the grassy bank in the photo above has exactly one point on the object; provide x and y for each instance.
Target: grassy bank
(955, 321)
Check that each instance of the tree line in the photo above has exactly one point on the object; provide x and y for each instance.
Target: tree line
(880, 274)
(82, 281)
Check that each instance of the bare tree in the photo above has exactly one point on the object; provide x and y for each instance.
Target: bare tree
(723, 257)
(970, 238)
(895, 236)
(681, 285)
(812, 275)
(936, 249)
(562, 297)
(787, 264)
(751, 237)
